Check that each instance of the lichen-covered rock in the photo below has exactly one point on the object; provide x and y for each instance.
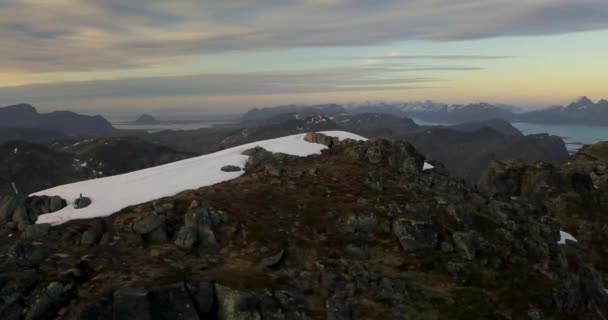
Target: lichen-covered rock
(236, 305)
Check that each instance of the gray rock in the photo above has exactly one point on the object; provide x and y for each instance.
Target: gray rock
(158, 235)
(89, 237)
(131, 303)
(25, 253)
(21, 218)
(259, 158)
(7, 207)
(236, 305)
(11, 297)
(274, 170)
(172, 302)
(82, 202)
(203, 297)
(358, 223)
(415, 235)
(36, 231)
(187, 237)
(467, 243)
(203, 215)
(48, 300)
(207, 237)
(148, 223)
(56, 203)
(274, 260)
(231, 169)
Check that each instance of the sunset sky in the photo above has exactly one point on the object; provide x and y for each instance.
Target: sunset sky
(144, 55)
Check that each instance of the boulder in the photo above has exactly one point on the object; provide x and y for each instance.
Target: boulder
(82, 202)
(89, 237)
(172, 302)
(158, 235)
(131, 303)
(21, 218)
(236, 305)
(187, 237)
(273, 170)
(274, 260)
(231, 169)
(203, 297)
(49, 300)
(7, 207)
(415, 235)
(27, 254)
(357, 223)
(148, 223)
(36, 231)
(56, 203)
(314, 137)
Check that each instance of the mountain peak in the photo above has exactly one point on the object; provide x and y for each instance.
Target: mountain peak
(583, 101)
(21, 107)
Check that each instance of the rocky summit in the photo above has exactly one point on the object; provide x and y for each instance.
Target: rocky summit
(360, 231)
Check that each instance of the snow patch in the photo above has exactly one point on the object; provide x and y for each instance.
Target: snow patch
(15, 150)
(563, 236)
(427, 166)
(112, 194)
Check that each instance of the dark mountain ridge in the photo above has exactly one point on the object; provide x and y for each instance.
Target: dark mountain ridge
(66, 122)
(581, 112)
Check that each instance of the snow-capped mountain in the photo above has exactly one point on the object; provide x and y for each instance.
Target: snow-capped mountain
(582, 111)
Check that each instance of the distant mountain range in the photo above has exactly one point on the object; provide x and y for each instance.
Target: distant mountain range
(583, 111)
(24, 116)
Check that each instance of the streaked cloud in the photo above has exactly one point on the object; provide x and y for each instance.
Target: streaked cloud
(235, 84)
(91, 35)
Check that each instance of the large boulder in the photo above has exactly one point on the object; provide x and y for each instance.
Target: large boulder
(50, 299)
(131, 303)
(314, 137)
(172, 302)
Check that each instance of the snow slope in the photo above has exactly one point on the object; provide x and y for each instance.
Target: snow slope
(112, 194)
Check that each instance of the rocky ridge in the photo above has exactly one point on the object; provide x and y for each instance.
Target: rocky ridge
(359, 232)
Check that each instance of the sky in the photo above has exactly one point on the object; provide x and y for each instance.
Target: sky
(225, 56)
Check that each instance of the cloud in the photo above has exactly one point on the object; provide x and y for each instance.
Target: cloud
(350, 79)
(87, 35)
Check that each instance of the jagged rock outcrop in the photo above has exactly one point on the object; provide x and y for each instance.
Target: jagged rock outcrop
(315, 242)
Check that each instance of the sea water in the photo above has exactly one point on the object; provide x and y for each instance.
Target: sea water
(575, 136)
